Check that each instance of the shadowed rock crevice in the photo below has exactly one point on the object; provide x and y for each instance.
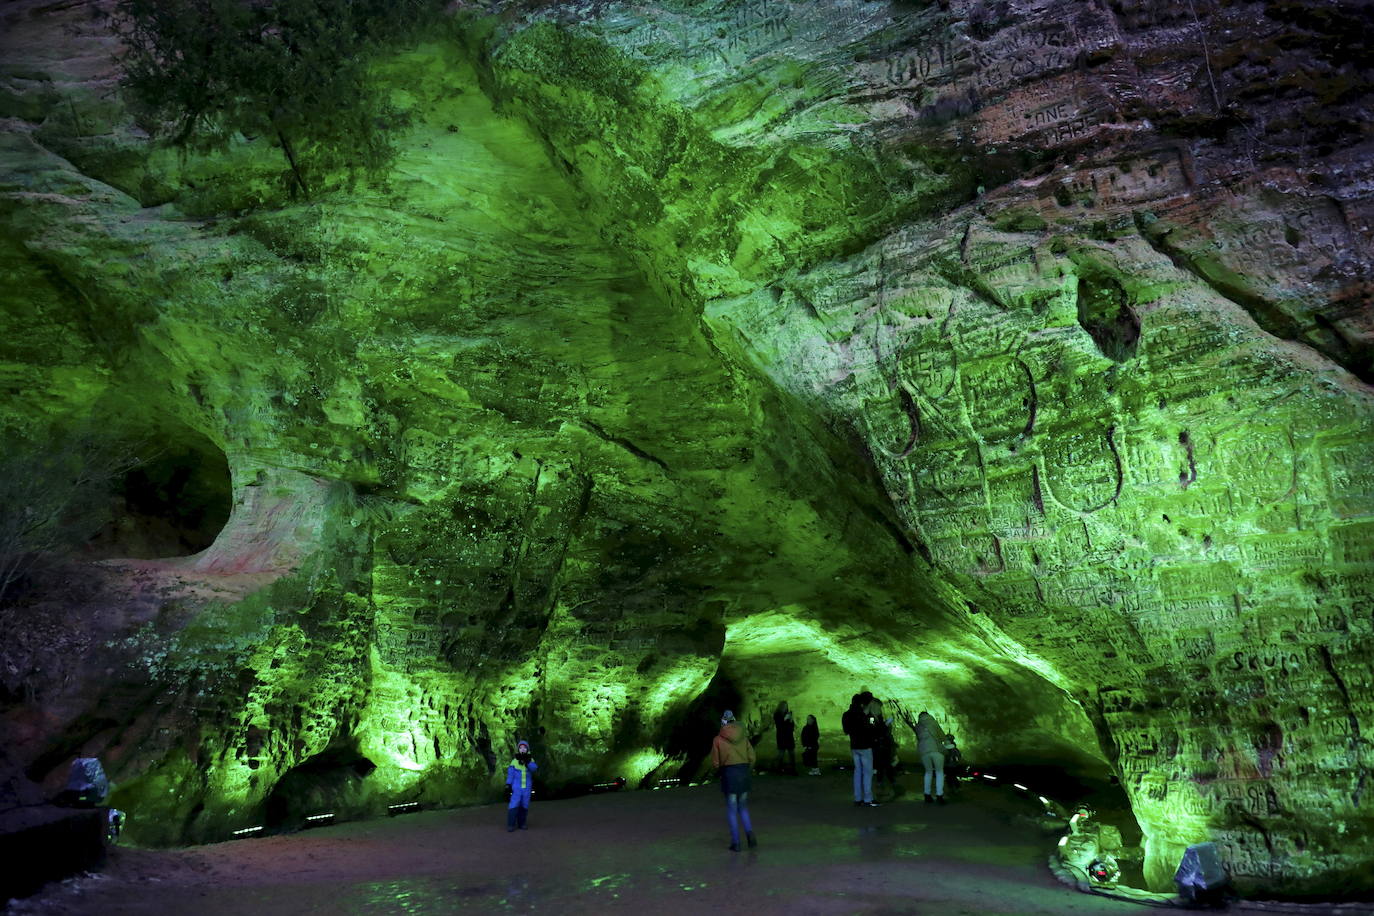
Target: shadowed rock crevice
(1104, 311)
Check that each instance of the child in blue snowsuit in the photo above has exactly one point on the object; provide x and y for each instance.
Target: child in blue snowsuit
(520, 778)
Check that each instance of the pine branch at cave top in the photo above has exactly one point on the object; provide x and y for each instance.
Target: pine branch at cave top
(199, 72)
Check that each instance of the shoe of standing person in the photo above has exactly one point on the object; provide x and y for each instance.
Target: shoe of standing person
(929, 799)
(940, 799)
(753, 843)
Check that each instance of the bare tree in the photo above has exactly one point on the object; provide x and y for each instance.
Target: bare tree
(53, 498)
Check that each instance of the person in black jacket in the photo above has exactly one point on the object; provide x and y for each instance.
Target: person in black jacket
(859, 726)
(786, 731)
(811, 746)
(884, 751)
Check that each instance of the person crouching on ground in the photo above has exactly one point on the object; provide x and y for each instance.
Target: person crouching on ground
(811, 746)
(930, 742)
(520, 778)
(732, 754)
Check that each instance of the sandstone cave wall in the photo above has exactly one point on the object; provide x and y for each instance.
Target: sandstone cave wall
(534, 433)
(1092, 283)
(489, 480)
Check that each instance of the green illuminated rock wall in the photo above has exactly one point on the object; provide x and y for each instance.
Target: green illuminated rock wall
(1110, 356)
(956, 351)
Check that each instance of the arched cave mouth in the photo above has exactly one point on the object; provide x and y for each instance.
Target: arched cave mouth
(172, 501)
(1009, 719)
(334, 781)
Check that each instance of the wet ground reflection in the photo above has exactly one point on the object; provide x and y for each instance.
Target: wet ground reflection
(652, 852)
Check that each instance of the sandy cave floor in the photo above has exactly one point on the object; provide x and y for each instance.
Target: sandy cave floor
(660, 852)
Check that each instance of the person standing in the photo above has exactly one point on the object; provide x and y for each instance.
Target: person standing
(811, 746)
(858, 725)
(954, 758)
(785, 731)
(930, 742)
(884, 750)
(520, 778)
(732, 754)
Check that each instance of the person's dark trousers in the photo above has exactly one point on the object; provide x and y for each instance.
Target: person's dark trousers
(511, 818)
(521, 814)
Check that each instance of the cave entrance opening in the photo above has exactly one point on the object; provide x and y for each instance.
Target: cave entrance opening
(1010, 720)
(172, 501)
(333, 781)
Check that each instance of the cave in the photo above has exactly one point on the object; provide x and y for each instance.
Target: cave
(574, 372)
(173, 502)
(332, 782)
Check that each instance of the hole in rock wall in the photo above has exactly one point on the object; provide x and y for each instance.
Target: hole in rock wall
(173, 502)
(1105, 312)
(333, 781)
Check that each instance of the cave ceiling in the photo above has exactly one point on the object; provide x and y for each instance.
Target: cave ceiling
(1009, 359)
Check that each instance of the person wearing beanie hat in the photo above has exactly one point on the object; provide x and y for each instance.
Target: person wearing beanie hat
(732, 754)
(930, 740)
(520, 779)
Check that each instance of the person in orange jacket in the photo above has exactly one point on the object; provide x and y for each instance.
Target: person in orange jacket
(732, 754)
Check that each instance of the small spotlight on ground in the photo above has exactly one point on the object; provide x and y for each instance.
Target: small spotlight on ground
(989, 777)
(1021, 787)
(319, 820)
(248, 831)
(403, 808)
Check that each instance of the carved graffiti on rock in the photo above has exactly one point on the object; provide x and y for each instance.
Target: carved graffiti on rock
(1258, 464)
(1000, 395)
(929, 367)
(893, 422)
(1350, 477)
(1083, 469)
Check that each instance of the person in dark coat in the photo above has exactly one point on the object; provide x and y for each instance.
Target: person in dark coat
(785, 731)
(811, 746)
(884, 750)
(858, 725)
(732, 754)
